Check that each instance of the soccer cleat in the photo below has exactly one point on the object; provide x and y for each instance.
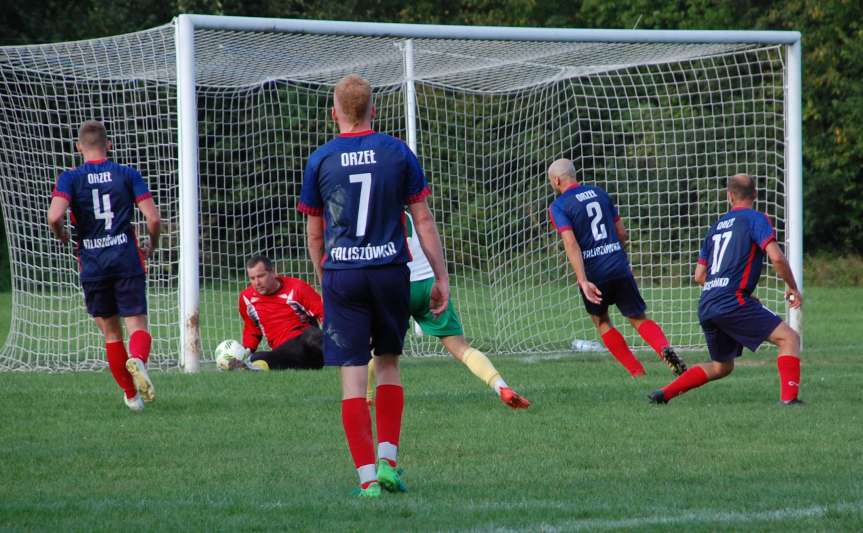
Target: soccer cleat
(135, 403)
(673, 361)
(372, 491)
(390, 477)
(795, 401)
(138, 369)
(513, 399)
(657, 397)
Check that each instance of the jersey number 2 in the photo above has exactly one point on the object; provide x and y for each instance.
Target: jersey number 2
(102, 211)
(720, 244)
(595, 213)
(365, 181)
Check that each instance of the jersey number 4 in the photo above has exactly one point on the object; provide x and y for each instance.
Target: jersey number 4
(102, 211)
(365, 181)
(595, 214)
(720, 244)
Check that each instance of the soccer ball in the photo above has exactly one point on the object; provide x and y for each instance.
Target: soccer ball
(227, 351)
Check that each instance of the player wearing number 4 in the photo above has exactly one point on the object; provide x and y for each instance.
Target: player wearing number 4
(354, 191)
(582, 214)
(102, 196)
(729, 267)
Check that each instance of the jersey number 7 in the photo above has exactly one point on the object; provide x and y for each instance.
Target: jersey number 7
(365, 181)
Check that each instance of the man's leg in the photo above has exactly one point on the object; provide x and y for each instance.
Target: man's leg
(389, 406)
(482, 367)
(139, 350)
(723, 350)
(302, 352)
(788, 362)
(616, 344)
(116, 354)
(357, 423)
(653, 335)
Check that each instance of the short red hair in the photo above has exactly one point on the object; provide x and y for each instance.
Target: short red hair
(353, 95)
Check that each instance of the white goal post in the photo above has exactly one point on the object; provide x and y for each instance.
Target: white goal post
(220, 113)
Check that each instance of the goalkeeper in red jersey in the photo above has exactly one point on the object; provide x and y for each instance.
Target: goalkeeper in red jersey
(582, 215)
(102, 196)
(285, 310)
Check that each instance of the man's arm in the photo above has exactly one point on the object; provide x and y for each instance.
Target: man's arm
(251, 332)
(424, 225)
(621, 231)
(154, 225)
(780, 264)
(57, 216)
(700, 275)
(573, 253)
(315, 242)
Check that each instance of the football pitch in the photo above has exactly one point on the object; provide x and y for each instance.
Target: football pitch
(244, 451)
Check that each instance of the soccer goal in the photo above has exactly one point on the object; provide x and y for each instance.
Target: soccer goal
(220, 114)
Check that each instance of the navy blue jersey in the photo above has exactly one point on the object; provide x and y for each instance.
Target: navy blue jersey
(360, 183)
(102, 196)
(733, 253)
(589, 212)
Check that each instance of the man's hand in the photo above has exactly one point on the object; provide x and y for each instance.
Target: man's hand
(146, 248)
(590, 291)
(794, 298)
(439, 297)
(64, 236)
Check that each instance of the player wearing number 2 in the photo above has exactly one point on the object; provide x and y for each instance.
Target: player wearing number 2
(582, 215)
(729, 267)
(102, 195)
(354, 191)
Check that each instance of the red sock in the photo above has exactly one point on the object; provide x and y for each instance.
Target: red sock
(117, 363)
(789, 376)
(389, 404)
(139, 344)
(653, 335)
(616, 344)
(692, 378)
(357, 422)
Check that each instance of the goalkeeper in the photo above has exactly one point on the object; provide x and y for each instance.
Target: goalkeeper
(287, 311)
(447, 327)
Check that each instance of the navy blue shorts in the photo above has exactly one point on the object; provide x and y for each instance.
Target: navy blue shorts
(622, 292)
(363, 309)
(749, 325)
(116, 296)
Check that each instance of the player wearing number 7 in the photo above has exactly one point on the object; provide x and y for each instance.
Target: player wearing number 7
(102, 196)
(583, 215)
(729, 267)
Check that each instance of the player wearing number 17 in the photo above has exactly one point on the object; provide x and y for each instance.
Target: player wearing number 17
(102, 196)
(729, 266)
(583, 215)
(354, 191)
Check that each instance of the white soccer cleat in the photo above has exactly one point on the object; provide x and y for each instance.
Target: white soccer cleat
(135, 404)
(138, 369)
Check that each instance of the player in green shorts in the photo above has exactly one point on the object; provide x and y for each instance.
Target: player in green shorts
(447, 327)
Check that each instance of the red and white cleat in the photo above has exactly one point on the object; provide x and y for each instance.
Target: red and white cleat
(512, 399)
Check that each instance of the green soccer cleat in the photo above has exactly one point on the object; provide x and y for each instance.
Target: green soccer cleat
(372, 491)
(657, 397)
(389, 477)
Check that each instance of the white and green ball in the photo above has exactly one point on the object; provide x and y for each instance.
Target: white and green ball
(228, 350)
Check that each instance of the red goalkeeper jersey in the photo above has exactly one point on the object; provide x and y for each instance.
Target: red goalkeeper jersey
(280, 316)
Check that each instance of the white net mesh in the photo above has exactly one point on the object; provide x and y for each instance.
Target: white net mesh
(660, 126)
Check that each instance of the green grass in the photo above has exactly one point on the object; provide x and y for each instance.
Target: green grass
(221, 451)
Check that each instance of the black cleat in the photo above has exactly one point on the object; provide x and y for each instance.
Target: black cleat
(657, 397)
(795, 401)
(673, 361)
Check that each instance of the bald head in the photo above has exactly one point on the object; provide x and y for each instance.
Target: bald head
(353, 100)
(741, 189)
(561, 174)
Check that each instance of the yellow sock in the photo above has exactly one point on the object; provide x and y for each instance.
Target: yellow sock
(370, 388)
(260, 364)
(482, 368)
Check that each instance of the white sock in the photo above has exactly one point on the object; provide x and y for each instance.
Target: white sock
(367, 473)
(499, 384)
(388, 450)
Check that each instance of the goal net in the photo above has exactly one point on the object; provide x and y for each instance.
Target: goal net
(658, 125)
